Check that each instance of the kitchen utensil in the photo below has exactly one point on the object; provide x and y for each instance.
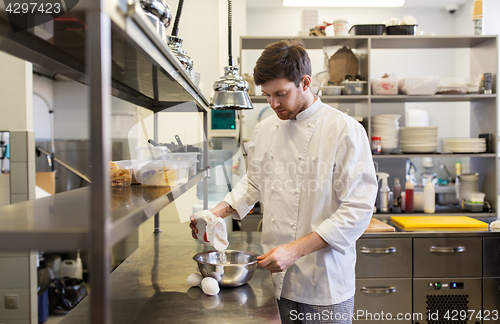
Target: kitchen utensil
(181, 146)
(378, 226)
(411, 222)
(236, 271)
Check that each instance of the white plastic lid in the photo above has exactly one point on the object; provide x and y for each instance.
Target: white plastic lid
(475, 197)
(340, 21)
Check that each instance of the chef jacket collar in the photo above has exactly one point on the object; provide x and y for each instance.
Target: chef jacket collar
(311, 110)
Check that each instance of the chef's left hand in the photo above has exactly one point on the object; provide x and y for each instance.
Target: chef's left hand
(279, 258)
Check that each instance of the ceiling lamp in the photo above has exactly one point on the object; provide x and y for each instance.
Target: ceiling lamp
(231, 91)
(343, 3)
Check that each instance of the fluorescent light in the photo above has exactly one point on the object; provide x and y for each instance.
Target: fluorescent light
(343, 3)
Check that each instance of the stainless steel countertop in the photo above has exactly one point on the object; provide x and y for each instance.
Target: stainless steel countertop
(150, 286)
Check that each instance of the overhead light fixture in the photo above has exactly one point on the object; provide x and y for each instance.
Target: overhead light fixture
(343, 3)
(175, 42)
(231, 91)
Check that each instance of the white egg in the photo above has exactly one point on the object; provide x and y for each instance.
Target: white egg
(215, 275)
(210, 286)
(194, 279)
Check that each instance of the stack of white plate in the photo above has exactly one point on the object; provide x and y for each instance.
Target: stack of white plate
(422, 139)
(387, 128)
(463, 145)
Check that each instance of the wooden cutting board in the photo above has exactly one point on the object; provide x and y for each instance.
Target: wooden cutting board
(378, 226)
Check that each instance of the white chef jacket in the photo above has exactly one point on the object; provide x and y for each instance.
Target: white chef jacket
(315, 173)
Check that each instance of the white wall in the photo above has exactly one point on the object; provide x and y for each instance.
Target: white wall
(43, 101)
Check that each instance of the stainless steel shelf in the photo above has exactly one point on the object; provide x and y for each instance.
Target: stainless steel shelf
(346, 98)
(377, 42)
(144, 69)
(445, 155)
(60, 222)
(433, 98)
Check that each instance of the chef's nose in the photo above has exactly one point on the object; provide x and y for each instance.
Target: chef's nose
(274, 102)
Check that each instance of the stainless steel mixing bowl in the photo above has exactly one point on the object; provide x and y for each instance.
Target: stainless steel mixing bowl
(237, 271)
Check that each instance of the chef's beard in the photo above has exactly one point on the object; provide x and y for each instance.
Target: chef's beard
(299, 106)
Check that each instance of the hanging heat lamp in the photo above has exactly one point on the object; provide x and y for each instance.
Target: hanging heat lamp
(175, 42)
(231, 91)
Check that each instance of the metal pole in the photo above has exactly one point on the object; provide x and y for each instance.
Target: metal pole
(98, 70)
(157, 215)
(205, 160)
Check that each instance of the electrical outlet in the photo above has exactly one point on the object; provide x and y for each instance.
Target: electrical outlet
(11, 301)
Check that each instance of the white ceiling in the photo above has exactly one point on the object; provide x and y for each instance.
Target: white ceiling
(255, 4)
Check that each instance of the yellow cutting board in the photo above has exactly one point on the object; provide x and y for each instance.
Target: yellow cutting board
(410, 222)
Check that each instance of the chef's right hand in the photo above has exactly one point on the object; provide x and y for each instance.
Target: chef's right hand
(192, 225)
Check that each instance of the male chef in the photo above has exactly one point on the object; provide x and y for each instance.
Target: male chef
(311, 167)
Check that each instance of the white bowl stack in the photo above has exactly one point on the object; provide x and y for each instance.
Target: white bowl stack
(463, 145)
(423, 139)
(387, 128)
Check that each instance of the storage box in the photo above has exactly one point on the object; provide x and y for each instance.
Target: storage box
(385, 86)
(120, 175)
(455, 85)
(401, 30)
(158, 173)
(377, 29)
(425, 86)
(331, 90)
(353, 87)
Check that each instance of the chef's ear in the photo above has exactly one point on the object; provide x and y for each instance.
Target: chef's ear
(306, 82)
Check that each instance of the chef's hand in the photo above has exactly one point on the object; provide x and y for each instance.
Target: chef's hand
(279, 258)
(192, 225)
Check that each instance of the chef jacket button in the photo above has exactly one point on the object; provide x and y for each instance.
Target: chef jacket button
(276, 126)
(294, 190)
(291, 223)
(300, 157)
(271, 156)
(314, 159)
(272, 220)
(310, 125)
(272, 188)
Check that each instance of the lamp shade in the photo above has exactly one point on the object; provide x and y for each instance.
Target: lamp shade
(231, 91)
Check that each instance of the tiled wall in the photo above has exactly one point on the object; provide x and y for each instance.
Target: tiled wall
(17, 279)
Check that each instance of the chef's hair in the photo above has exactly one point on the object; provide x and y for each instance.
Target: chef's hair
(283, 60)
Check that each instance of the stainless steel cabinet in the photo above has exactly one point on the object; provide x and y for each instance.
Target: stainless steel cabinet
(491, 300)
(384, 258)
(382, 299)
(447, 257)
(491, 257)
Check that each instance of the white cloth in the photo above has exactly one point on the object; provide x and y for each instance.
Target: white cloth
(315, 173)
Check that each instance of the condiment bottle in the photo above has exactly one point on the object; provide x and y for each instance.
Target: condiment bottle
(376, 145)
(409, 208)
(477, 17)
(429, 197)
(396, 199)
(384, 192)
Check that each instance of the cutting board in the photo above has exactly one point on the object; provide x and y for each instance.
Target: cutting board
(378, 226)
(443, 222)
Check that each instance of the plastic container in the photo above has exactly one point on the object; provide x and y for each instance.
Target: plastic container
(162, 174)
(148, 153)
(425, 86)
(331, 90)
(71, 269)
(376, 145)
(353, 87)
(401, 30)
(396, 196)
(475, 197)
(473, 207)
(452, 86)
(377, 29)
(429, 197)
(385, 86)
(120, 174)
(341, 27)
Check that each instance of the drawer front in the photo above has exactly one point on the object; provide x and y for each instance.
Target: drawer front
(374, 296)
(491, 256)
(384, 258)
(444, 304)
(447, 257)
(491, 300)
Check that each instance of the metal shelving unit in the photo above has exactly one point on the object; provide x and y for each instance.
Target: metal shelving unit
(483, 107)
(115, 51)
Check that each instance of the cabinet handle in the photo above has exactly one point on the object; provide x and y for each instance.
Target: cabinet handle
(378, 290)
(444, 249)
(391, 249)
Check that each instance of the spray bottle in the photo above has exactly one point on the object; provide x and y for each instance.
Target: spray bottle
(429, 196)
(384, 192)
